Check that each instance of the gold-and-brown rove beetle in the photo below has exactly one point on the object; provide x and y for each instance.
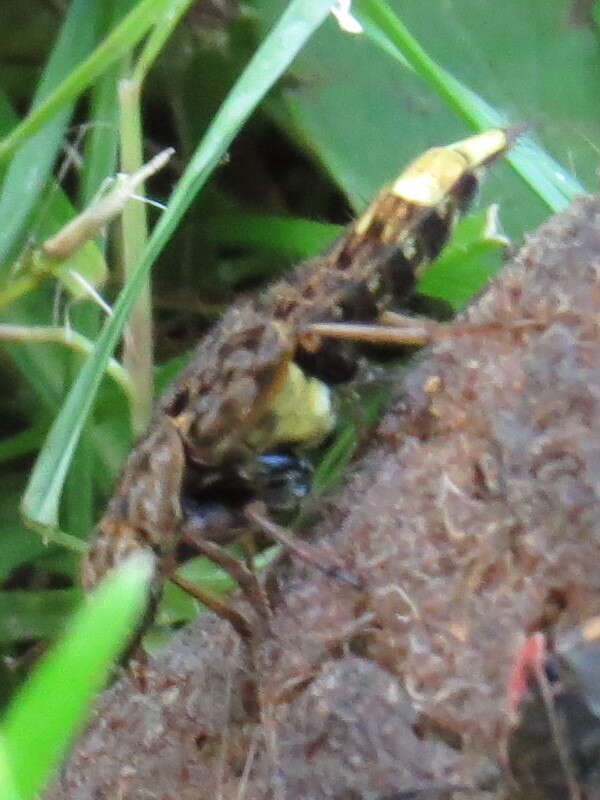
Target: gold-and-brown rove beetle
(257, 394)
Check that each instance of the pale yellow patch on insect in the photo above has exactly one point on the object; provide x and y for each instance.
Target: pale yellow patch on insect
(301, 412)
(479, 149)
(428, 179)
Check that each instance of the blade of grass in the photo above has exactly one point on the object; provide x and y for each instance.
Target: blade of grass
(50, 103)
(475, 252)
(68, 338)
(100, 151)
(30, 168)
(52, 212)
(138, 350)
(545, 176)
(43, 718)
(122, 39)
(301, 18)
(8, 787)
(157, 39)
(99, 161)
(296, 237)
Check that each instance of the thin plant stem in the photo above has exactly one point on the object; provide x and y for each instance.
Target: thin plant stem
(138, 335)
(157, 38)
(119, 41)
(69, 338)
(137, 340)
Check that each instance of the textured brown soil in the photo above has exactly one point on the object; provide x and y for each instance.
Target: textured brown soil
(473, 519)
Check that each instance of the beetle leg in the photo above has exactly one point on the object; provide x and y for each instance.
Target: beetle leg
(418, 333)
(212, 601)
(257, 514)
(238, 570)
(397, 329)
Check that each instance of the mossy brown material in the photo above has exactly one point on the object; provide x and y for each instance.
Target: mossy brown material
(473, 519)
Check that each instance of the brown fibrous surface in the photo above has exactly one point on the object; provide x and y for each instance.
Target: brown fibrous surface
(472, 520)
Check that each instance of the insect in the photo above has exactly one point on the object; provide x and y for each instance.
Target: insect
(257, 393)
(553, 747)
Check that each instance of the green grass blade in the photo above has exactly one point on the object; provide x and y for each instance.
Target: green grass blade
(301, 18)
(31, 166)
(122, 39)
(101, 146)
(293, 236)
(156, 40)
(99, 162)
(475, 252)
(43, 717)
(545, 176)
(8, 787)
(101, 142)
(53, 210)
(52, 110)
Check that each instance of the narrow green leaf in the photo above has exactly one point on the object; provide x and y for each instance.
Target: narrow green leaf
(101, 141)
(157, 39)
(300, 238)
(42, 719)
(99, 163)
(124, 37)
(52, 213)
(554, 185)
(8, 787)
(296, 25)
(31, 166)
(475, 253)
(547, 178)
